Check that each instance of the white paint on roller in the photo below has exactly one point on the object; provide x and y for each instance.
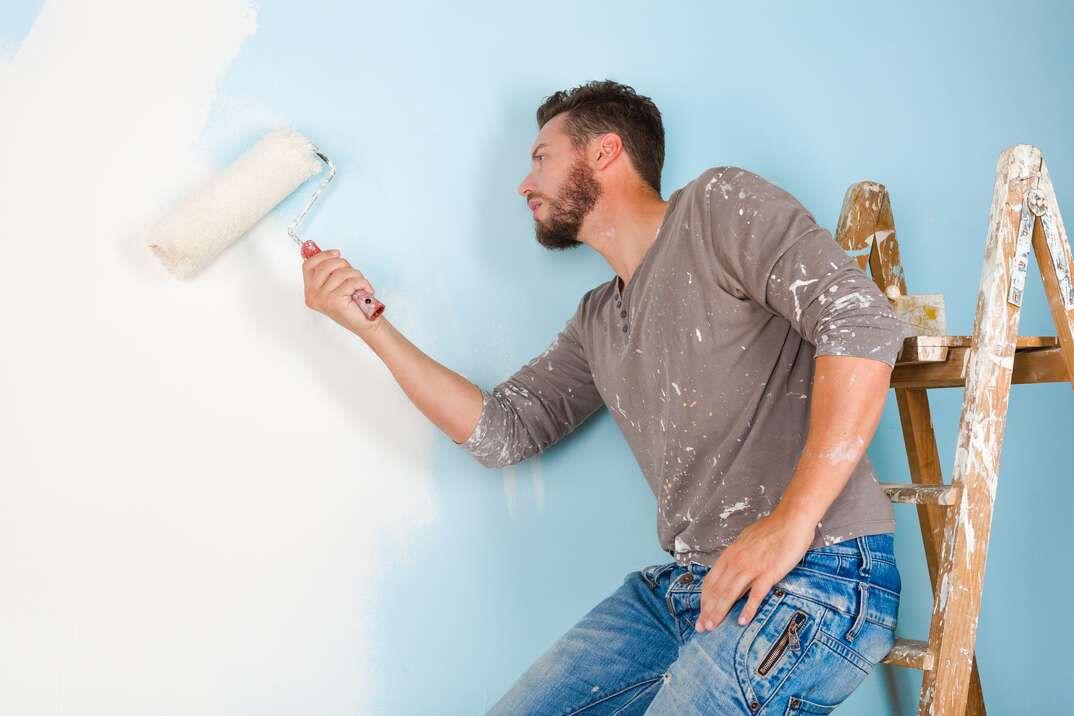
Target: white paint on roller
(203, 481)
(194, 233)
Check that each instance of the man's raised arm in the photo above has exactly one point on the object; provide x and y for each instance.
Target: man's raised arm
(543, 401)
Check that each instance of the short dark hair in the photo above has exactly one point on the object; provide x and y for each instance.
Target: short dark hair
(606, 106)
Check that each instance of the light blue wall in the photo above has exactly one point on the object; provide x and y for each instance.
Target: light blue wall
(427, 110)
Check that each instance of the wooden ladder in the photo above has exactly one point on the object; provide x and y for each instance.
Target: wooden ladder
(956, 517)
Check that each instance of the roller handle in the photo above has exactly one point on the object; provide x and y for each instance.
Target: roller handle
(370, 306)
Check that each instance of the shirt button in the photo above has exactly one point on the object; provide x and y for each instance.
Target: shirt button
(624, 328)
(688, 578)
(622, 314)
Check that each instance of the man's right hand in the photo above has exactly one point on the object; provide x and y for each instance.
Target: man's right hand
(330, 280)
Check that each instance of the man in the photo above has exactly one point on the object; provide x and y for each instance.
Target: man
(746, 358)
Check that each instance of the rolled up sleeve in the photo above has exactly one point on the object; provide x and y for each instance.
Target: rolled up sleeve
(543, 401)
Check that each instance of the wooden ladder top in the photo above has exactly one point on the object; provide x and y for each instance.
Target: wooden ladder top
(956, 516)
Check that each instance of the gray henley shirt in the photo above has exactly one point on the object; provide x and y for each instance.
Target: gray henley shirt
(705, 360)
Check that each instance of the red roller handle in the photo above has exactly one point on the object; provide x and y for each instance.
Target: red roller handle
(370, 306)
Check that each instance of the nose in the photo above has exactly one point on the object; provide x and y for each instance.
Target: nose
(526, 187)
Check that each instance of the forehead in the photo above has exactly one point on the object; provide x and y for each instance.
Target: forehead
(551, 132)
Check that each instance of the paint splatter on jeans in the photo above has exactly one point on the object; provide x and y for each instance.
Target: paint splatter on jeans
(816, 636)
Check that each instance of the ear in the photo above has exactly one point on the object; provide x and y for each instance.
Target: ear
(609, 147)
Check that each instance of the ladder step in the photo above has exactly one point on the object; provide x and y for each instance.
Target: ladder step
(940, 361)
(914, 494)
(911, 653)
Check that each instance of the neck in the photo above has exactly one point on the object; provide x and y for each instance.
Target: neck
(622, 227)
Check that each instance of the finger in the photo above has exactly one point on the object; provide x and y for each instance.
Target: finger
(310, 265)
(714, 585)
(352, 284)
(348, 295)
(717, 569)
(758, 591)
(726, 597)
(324, 270)
(319, 257)
(732, 573)
(337, 277)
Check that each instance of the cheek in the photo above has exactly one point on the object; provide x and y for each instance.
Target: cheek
(551, 195)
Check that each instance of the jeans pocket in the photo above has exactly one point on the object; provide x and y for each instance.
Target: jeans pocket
(871, 644)
(800, 706)
(789, 640)
(769, 652)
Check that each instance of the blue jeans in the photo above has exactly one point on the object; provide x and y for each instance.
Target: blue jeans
(817, 634)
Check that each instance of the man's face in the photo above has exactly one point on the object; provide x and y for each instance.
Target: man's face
(560, 189)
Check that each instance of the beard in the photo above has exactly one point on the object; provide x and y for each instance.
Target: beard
(567, 211)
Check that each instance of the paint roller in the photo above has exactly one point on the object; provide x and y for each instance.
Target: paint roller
(230, 203)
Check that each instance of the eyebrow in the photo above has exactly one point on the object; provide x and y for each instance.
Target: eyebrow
(533, 154)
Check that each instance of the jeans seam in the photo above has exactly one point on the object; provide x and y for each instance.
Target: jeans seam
(636, 696)
(853, 553)
(832, 643)
(836, 609)
(829, 575)
(647, 682)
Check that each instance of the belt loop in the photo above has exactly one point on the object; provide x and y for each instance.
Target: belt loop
(863, 598)
(866, 557)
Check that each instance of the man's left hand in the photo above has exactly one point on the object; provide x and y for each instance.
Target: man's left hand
(762, 554)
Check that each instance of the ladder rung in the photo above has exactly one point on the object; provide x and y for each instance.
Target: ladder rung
(928, 349)
(940, 362)
(911, 653)
(915, 494)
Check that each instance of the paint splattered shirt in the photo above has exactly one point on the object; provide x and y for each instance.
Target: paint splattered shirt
(705, 360)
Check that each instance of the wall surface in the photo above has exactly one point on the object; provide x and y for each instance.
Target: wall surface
(216, 501)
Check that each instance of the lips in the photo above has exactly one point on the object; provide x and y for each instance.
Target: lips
(534, 205)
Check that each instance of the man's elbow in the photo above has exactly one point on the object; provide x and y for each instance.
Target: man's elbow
(502, 456)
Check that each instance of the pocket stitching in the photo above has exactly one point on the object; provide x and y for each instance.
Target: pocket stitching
(834, 608)
(749, 635)
(811, 707)
(837, 647)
